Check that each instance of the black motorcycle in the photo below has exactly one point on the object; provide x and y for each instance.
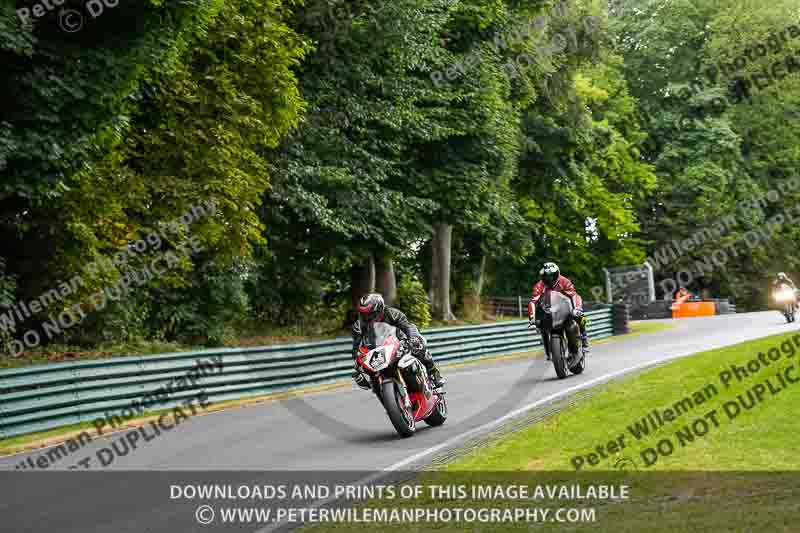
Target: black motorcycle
(554, 317)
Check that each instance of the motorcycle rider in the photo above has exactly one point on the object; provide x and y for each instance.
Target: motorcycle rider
(372, 309)
(784, 281)
(550, 278)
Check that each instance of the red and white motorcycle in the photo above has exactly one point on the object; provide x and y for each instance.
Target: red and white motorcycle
(400, 381)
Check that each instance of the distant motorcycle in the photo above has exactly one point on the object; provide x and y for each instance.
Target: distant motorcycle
(554, 316)
(400, 381)
(786, 297)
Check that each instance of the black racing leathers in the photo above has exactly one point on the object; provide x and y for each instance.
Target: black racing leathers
(395, 317)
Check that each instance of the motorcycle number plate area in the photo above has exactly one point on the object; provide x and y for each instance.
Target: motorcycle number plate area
(377, 361)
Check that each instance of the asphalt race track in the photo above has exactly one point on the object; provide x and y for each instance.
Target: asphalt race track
(348, 429)
(336, 437)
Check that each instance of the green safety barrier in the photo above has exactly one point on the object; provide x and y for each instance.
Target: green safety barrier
(43, 397)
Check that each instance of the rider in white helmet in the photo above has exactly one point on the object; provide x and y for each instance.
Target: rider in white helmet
(550, 278)
(784, 281)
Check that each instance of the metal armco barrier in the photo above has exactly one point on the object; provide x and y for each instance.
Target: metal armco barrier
(44, 397)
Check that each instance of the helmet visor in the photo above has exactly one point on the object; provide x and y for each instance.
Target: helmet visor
(368, 314)
(550, 278)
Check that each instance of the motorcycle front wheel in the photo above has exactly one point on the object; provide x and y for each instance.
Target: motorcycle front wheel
(402, 419)
(439, 414)
(558, 351)
(580, 366)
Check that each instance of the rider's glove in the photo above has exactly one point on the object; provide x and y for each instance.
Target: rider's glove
(577, 313)
(417, 345)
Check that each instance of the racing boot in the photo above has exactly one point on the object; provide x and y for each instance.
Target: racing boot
(433, 372)
(584, 336)
(436, 377)
(546, 344)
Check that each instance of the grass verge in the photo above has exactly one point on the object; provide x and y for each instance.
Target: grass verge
(738, 474)
(685, 391)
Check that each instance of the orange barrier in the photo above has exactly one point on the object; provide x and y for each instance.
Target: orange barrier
(691, 309)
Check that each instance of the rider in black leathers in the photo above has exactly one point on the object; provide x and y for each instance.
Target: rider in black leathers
(372, 309)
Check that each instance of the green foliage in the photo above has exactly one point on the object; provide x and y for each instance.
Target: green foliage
(329, 132)
(713, 149)
(122, 321)
(210, 311)
(413, 301)
(111, 133)
(8, 286)
(579, 183)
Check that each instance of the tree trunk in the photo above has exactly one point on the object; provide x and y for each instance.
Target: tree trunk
(434, 276)
(362, 281)
(385, 280)
(472, 296)
(442, 236)
(477, 285)
(477, 276)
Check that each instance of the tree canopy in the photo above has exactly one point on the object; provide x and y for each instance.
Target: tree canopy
(438, 146)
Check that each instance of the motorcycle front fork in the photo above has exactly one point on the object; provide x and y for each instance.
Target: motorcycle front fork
(573, 340)
(401, 383)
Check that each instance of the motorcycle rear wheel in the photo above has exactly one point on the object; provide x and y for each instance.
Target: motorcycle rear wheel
(401, 418)
(558, 353)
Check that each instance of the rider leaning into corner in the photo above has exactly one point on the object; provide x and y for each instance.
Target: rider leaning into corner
(783, 281)
(372, 309)
(550, 278)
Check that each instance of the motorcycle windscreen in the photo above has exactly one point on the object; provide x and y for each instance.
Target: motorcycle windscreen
(556, 311)
(382, 332)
